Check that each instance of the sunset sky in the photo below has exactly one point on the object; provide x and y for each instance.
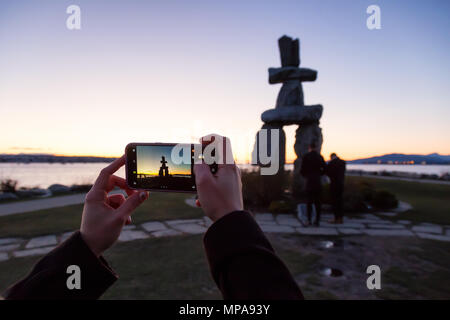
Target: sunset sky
(172, 71)
(148, 161)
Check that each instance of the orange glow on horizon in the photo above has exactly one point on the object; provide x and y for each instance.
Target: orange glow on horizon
(156, 173)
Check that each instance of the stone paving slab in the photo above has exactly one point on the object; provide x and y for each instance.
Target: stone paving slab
(264, 217)
(41, 241)
(191, 202)
(405, 222)
(427, 229)
(290, 223)
(402, 207)
(3, 256)
(208, 222)
(388, 214)
(349, 225)
(277, 229)
(386, 226)
(191, 228)
(317, 231)
(350, 231)
(448, 232)
(129, 227)
(428, 224)
(288, 220)
(433, 236)
(267, 223)
(130, 235)
(9, 247)
(282, 216)
(384, 232)
(32, 252)
(153, 226)
(354, 220)
(166, 233)
(343, 225)
(10, 240)
(179, 221)
(370, 216)
(65, 236)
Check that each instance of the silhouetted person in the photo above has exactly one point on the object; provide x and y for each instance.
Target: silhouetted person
(313, 167)
(336, 171)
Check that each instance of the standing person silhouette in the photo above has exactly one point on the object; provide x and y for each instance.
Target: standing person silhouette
(313, 167)
(336, 171)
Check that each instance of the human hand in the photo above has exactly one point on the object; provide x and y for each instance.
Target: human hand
(105, 215)
(221, 193)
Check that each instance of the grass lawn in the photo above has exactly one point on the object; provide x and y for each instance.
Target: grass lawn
(159, 206)
(176, 268)
(411, 282)
(431, 202)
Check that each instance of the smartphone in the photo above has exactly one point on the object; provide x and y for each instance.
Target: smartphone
(167, 167)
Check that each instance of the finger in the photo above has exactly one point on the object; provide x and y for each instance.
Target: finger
(115, 181)
(103, 179)
(202, 174)
(197, 203)
(129, 220)
(115, 200)
(132, 203)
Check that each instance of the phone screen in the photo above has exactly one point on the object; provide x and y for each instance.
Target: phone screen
(161, 167)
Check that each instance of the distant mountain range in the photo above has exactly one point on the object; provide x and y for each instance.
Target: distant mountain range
(393, 158)
(399, 158)
(49, 158)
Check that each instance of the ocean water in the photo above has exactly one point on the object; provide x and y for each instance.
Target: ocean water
(45, 174)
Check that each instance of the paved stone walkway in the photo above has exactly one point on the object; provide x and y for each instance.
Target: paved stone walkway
(365, 224)
(7, 209)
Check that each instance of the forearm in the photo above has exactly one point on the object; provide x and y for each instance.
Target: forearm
(244, 264)
(48, 278)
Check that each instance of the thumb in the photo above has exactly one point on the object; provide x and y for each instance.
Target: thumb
(132, 203)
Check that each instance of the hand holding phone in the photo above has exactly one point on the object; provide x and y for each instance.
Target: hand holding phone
(221, 193)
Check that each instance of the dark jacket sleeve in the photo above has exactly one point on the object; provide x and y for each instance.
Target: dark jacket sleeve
(48, 278)
(244, 264)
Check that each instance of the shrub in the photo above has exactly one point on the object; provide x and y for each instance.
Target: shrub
(354, 202)
(384, 200)
(257, 190)
(8, 185)
(358, 195)
(80, 187)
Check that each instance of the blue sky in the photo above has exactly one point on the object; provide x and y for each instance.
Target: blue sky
(172, 71)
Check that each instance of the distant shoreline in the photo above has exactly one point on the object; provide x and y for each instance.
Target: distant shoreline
(45, 158)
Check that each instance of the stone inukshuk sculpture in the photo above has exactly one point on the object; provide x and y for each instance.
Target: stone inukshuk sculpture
(290, 108)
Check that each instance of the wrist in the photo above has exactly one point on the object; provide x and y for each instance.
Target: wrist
(91, 244)
(217, 215)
